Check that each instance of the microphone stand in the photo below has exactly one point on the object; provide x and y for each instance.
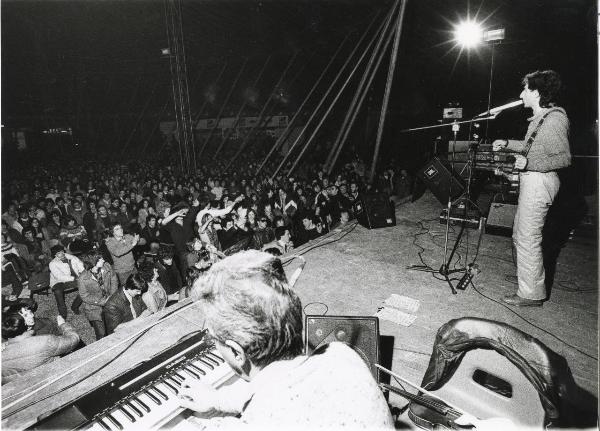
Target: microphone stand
(445, 270)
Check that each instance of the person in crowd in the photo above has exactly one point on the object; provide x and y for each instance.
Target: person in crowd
(285, 204)
(126, 303)
(180, 225)
(150, 231)
(256, 321)
(168, 274)
(37, 229)
(120, 247)
(77, 212)
(96, 284)
(344, 219)
(308, 231)
(22, 350)
(263, 234)
(103, 223)
(64, 270)
(144, 212)
(155, 296)
(71, 231)
(228, 235)
(208, 233)
(283, 242)
(11, 233)
(539, 156)
(36, 325)
(89, 220)
(62, 207)
(53, 226)
(37, 250)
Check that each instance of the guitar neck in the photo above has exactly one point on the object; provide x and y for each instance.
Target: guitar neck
(427, 402)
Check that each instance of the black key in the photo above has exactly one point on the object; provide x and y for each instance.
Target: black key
(178, 374)
(205, 362)
(174, 380)
(114, 421)
(134, 408)
(200, 370)
(126, 413)
(153, 398)
(216, 357)
(103, 425)
(190, 372)
(211, 360)
(161, 393)
(170, 386)
(142, 405)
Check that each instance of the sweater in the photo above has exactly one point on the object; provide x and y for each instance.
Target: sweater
(550, 148)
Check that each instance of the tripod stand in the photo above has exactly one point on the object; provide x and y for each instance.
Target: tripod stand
(445, 270)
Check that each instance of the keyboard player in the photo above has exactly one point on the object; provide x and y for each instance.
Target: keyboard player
(256, 320)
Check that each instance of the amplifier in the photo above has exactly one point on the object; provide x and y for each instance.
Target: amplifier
(500, 219)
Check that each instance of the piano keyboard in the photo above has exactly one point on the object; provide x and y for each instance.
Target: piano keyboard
(146, 396)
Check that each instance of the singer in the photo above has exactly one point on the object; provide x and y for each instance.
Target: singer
(538, 157)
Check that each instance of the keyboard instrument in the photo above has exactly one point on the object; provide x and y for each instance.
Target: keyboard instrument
(144, 397)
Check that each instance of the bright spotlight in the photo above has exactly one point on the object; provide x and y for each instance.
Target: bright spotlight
(468, 34)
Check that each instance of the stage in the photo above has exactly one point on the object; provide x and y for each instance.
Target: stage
(351, 272)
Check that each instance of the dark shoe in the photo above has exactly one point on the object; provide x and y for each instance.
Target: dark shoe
(517, 301)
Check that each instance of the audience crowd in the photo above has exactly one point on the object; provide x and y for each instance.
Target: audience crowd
(131, 239)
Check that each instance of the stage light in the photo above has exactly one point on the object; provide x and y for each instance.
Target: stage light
(468, 34)
(165, 51)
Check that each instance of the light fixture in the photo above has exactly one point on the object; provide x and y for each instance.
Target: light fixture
(468, 33)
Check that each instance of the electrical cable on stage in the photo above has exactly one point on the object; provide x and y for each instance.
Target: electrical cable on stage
(533, 324)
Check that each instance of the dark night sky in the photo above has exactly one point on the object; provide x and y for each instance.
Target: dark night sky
(84, 58)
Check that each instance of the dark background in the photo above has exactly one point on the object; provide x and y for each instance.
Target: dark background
(96, 66)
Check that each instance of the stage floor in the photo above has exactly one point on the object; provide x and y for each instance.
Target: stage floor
(351, 272)
(354, 274)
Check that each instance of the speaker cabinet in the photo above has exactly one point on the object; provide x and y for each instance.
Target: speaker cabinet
(500, 219)
(441, 180)
(360, 333)
(374, 210)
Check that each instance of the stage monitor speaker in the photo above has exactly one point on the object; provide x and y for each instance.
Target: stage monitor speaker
(359, 332)
(374, 210)
(439, 178)
(500, 219)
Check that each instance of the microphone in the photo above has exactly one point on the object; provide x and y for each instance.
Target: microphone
(498, 109)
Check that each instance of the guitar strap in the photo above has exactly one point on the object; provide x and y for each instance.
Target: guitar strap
(535, 132)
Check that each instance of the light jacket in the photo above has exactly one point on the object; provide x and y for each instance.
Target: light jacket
(60, 271)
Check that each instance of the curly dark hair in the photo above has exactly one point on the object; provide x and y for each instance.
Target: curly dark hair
(146, 270)
(547, 83)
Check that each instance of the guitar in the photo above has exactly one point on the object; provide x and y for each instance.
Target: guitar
(429, 413)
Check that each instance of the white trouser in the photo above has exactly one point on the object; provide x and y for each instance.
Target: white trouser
(537, 191)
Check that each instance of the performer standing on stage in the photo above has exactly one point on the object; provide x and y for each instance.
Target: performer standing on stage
(538, 157)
